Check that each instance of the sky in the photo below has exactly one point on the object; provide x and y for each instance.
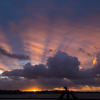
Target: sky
(49, 44)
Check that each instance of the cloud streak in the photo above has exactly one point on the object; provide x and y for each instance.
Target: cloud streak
(15, 56)
(83, 51)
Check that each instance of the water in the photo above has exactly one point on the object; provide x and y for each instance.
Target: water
(41, 95)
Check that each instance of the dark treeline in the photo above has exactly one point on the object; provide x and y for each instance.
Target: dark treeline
(22, 92)
(11, 92)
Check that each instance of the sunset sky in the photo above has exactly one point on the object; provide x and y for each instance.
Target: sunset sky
(49, 44)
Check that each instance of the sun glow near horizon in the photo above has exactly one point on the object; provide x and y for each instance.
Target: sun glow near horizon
(33, 89)
(85, 88)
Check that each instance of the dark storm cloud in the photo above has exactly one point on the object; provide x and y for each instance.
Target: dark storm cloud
(54, 83)
(64, 66)
(21, 83)
(20, 57)
(83, 51)
(60, 66)
(16, 83)
(90, 82)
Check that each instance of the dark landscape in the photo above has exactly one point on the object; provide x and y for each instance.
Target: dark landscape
(54, 94)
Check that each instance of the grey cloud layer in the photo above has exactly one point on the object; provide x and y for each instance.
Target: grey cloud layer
(24, 84)
(60, 66)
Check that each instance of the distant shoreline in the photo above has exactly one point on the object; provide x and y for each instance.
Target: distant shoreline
(39, 92)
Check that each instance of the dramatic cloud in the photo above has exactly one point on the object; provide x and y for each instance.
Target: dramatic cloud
(61, 70)
(64, 66)
(20, 57)
(95, 71)
(96, 61)
(60, 66)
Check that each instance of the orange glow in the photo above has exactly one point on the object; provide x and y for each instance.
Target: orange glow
(82, 88)
(59, 88)
(33, 89)
(94, 61)
(80, 68)
(4, 42)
